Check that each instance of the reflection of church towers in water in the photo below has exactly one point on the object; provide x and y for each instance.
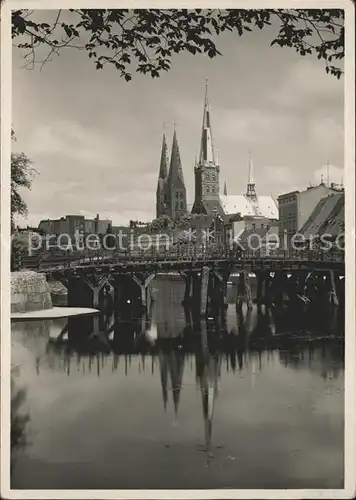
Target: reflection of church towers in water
(171, 365)
(208, 382)
(208, 370)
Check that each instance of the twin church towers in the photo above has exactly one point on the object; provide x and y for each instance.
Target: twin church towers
(171, 196)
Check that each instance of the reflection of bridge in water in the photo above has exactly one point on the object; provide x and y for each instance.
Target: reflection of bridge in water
(93, 345)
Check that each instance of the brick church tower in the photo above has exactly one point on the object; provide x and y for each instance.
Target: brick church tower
(207, 169)
(171, 196)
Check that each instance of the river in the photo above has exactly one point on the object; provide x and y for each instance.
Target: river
(250, 401)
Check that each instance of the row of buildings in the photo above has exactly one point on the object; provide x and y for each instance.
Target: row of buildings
(70, 224)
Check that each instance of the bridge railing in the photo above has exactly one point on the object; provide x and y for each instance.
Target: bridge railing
(62, 260)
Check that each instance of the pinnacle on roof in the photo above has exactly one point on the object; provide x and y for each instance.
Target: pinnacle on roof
(250, 169)
(206, 145)
(225, 189)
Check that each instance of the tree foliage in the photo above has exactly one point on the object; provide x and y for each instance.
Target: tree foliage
(162, 223)
(21, 177)
(145, 41)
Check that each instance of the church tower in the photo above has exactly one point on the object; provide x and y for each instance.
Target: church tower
(161, 193)
(206, 170)
(176, 192)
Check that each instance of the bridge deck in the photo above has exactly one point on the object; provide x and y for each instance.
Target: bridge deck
(166, 265)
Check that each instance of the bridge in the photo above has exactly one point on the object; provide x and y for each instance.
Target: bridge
(127, 277)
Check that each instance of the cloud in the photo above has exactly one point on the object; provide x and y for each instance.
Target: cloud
(71, 140)
(256, 126)
(304, 83)
(326, 134)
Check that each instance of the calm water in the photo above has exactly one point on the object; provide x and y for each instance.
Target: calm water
(246, 402)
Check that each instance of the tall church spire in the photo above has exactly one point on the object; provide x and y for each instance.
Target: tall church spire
(251, 191)
(206, 146)
(163, 168)
(161, 195)
(176, 192)
(225, 189)
(175, 176)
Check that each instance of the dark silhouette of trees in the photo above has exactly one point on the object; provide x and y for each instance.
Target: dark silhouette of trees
(21, 177)
(144, 41)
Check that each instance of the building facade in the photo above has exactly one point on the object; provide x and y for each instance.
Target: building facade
(296, 207)
(73, 224)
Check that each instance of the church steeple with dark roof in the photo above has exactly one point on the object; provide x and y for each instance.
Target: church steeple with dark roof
(207, 191)
(206, 144)
(163, 168)
(161, 195)
(177, 199)
(175, 175)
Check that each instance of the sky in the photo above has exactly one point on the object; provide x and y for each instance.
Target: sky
(95, 140)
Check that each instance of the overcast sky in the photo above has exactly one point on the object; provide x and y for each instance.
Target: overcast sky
(95, 139)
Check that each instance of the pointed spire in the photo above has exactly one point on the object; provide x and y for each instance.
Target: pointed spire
(225, 189)
(327, 174)
(250, 169)
(163, 168)
(206, 146)
(176, 178)
(251, 191)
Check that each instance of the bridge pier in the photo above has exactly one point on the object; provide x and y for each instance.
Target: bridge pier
(144, 282)
(204, 284)
(195, 297)
(244, 290)
(188, 290)
(218, 290)
(96, 287)
(278, 287)
(262, 287)
(334, 299)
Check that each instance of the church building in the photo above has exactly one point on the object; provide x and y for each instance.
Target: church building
(171, 196)
(171, 192)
